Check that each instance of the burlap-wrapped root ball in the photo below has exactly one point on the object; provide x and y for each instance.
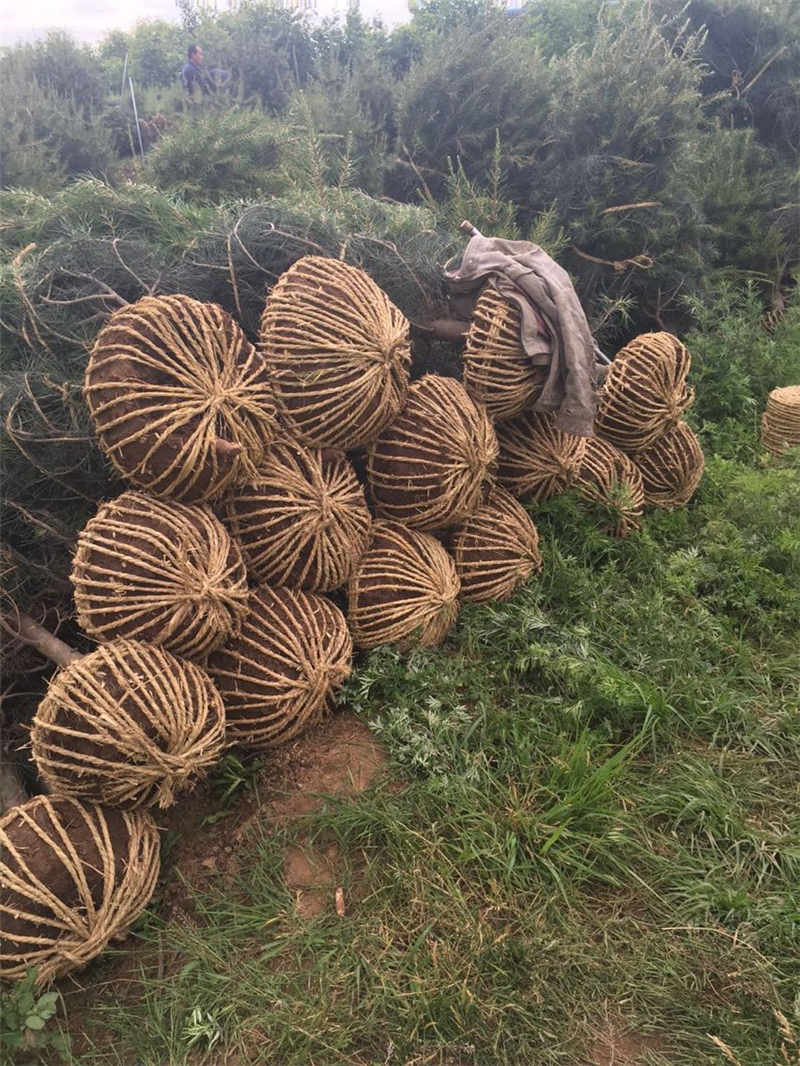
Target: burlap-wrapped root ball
(498, 372)
(404, 590)
(671, 468)
(163, 572)
(281, 675)
(645, 391)
(128, 725)
(537, 460)
(495, 550)
(780, 423)
(179, 397)
(338, 353)
(436, 463)
(73, 876)
(608, 479)
(303, 521)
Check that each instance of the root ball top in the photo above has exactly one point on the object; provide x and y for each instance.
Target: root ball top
(671, 468)
(780, 423)
(72, 877)
(159, 571)
(435, 464)
(645, 391)
(609, 480)
(498, 372)
(303, 521)
(404, 590)
(537, 460)
(282, 673)
(179, 397)
(128, 725)
(495, 550)
(338, 353)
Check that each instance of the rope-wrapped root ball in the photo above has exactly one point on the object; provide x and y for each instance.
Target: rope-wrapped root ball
(404, 590)
(179, 397)
(303, 521)
(495, 550)
(128, 725)
(537, 460)
(436, 463)
(608, 480)
(163, 572)
(73, 876)
(281, 675)
(645, 392)
(498, 372)
(780, 423)
(338, 352)
(671, 468)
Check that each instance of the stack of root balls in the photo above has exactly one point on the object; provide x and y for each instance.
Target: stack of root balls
(288, 500)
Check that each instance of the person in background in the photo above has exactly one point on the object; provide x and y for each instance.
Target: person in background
(194, 72)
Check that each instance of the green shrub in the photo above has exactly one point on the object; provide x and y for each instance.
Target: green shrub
(736, 362)
(215, 153)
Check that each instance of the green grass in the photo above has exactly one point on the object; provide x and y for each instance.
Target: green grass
(599, 827)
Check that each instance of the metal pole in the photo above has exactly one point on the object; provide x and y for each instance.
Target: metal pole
(124, 75)
(136, 118)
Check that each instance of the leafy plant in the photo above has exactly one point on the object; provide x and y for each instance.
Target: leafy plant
(25, 1014)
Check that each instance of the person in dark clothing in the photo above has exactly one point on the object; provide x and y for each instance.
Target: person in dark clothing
(194, 73)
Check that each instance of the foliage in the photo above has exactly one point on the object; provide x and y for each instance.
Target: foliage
(46, 139)
(214, 155)
(24, 1016)
(736, 362)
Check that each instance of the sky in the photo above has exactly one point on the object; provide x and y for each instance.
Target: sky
(88, 20)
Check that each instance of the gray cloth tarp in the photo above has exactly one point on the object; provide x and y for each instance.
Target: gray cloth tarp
(544, 293)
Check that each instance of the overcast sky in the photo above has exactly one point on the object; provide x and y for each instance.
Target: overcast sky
(88, 20)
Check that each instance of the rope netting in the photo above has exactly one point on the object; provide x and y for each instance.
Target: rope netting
(608, 479)
(495, 550)
(780, 423)
(73, 876)
(338, 353)
(404, 590)
(645, 391)
(671, 468)
(179, 397)
(537, 460)
(128, 725)
(158, 571)
(434, 465)
(281, 674)
(303, 520)
(498, 372)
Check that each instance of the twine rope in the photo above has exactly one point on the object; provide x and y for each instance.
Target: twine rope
(538, 461)
(147, 725)
(67, 931)
(495, 550)
(608, 478)
(671, 468)
(433, 466)
(159, 571)
(780, 423)
(338, 353)
(303, 522)
(497, 370)
(281, 674)
(179, 397)
(404, 590)
(645, 392)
